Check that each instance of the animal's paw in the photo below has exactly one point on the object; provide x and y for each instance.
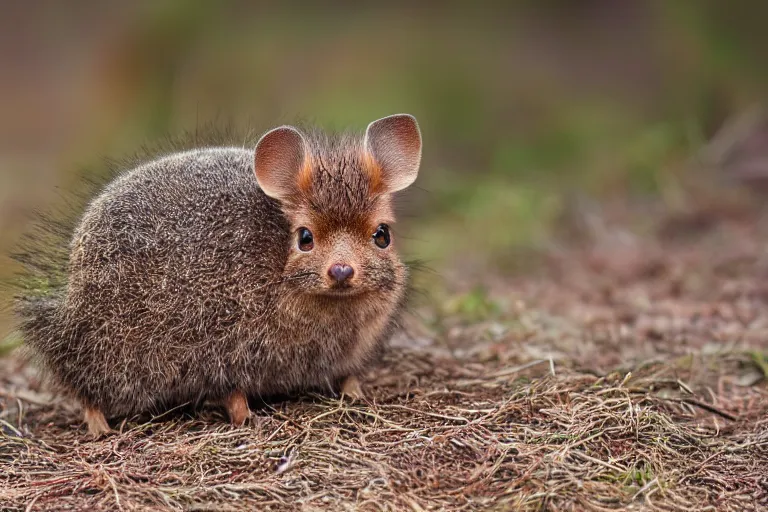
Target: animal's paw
(97, 423)
(351, 388)
(237, 408)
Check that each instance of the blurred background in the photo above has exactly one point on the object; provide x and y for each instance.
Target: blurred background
(526, 107)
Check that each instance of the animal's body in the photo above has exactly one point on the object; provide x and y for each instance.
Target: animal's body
(223, 273)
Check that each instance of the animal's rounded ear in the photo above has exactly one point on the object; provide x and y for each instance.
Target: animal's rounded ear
(394, 144)
(280, 159)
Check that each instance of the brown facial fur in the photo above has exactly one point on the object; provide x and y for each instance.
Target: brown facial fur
(186, 283)
(340, 205)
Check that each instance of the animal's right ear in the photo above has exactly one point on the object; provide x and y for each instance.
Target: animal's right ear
(280, 162)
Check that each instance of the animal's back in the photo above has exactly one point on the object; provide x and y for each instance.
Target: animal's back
(164, 265)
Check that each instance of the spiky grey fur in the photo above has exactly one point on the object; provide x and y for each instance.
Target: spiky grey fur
(178, 288)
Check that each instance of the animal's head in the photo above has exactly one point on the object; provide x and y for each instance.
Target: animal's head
(336, 192)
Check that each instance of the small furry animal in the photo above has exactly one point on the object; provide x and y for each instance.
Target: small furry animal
(222, 273)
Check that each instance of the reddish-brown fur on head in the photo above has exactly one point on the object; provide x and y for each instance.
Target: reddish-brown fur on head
(374, 172)
(339, 188)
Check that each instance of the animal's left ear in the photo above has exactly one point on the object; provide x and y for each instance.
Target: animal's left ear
(393, 144)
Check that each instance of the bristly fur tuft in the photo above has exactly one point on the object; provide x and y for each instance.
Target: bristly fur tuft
(43, 250)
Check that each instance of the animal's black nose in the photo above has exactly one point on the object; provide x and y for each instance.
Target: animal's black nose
(340, 272)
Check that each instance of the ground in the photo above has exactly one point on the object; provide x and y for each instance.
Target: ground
(625, 373)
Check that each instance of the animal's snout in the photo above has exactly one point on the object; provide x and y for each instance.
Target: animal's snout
(340, 272)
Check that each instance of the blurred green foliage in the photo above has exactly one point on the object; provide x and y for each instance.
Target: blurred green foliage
(9, 343)
(473, 306)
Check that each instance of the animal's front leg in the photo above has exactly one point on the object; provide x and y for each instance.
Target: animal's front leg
(97, 423)
(351, 388)
(237, 408)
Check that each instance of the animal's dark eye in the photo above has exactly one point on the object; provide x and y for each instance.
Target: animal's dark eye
(306, 241)
(381, 237)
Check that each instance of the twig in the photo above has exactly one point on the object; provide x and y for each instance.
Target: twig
(645, 488)
(710, 408)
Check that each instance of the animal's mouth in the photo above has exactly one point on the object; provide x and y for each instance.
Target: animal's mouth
(342, 291)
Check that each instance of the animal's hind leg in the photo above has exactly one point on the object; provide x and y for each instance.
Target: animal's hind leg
(237, 408)
(97, 423)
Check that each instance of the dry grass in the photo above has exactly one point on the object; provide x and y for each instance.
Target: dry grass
(629, 381)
